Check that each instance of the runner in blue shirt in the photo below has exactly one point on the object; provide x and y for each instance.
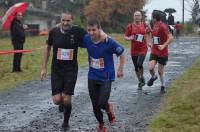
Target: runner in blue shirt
(101, 71)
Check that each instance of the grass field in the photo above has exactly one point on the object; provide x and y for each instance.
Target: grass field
(180, 111)
(31, 62)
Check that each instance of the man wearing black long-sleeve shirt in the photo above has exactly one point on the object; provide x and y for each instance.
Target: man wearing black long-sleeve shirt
(18, 39)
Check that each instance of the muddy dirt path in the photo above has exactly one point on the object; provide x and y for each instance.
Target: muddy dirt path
(29, 108)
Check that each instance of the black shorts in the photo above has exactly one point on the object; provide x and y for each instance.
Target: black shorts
(63, 82)
(160, 60)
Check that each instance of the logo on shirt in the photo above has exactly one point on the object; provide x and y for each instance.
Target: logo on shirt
(119, 50)
(72, 39)
(65, 54)
(97, 63)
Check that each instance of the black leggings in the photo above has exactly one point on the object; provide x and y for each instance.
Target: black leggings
(99, 94)
(138, 62)
(17, 57)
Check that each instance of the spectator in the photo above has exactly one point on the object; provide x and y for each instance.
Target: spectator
(18, 39)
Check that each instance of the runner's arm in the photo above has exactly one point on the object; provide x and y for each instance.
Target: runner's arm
(130, 38)
(120, 71)
(165, 32)
(148, 39)
(168, 42)
(128, 34)
(170, 38)
(45, 61)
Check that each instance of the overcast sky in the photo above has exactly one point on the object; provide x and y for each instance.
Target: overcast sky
(163, 4)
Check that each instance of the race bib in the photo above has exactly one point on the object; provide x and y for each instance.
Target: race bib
(97, 63)
(156, 40)
(65, 54)
(139, 38)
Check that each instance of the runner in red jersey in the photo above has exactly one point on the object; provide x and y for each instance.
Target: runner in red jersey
(159, 49)
(178, 29)
(136, 33)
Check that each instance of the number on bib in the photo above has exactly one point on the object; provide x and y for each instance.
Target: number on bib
(65, 54)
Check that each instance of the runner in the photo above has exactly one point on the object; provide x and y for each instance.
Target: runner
(136, 33)
(65, 40)
(178, 29)
(159, 49)
(101, 71)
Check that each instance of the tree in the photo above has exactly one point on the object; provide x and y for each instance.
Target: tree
(194, 8)
(113, 12)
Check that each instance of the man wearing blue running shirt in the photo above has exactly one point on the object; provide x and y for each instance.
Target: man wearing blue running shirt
(101, 71)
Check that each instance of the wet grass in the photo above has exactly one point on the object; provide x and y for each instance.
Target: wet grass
(31, 62)
(181, 109)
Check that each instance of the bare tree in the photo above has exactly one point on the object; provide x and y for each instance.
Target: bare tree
(194, 8)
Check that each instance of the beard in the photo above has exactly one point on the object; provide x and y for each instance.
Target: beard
(66, 27)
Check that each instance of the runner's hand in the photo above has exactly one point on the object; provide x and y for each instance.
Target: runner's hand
(161, 47)
(132, 37)
(120, 73)
(43, 74)
(148, 29)
(149, 45)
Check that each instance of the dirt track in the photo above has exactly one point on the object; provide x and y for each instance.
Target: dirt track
(29, 107)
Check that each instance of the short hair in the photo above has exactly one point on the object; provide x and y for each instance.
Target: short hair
(156, 15)
(67, 13)
(94, 22)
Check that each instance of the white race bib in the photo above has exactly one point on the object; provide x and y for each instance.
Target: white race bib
(97, 63)
(156, 40)
(65, 54)
(139, 38)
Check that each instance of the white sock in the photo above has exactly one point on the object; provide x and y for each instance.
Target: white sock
(162, 80)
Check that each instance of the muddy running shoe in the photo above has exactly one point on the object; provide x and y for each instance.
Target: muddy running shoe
(110, 113)
(150, 82)
(162, 90)
(65, 127)
(61, 108)
(102, 128)
(141, 84)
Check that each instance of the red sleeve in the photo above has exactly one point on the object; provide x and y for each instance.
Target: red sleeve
(128, 30)
(164, 30)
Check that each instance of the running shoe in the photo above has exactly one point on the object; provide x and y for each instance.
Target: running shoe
(65, 127)
(110, 113)
(102, 128)
(150, 82)
(141, 84)
(162, 90)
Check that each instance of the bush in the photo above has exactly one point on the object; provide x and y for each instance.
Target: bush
(188, 28)
(77, 21)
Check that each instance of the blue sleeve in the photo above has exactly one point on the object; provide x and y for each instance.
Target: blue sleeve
(84, 43)
(116, 47)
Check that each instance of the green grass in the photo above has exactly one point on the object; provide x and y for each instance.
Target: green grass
(31, 62)
(180, 111)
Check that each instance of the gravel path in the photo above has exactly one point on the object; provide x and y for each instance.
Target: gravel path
(29, 108)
